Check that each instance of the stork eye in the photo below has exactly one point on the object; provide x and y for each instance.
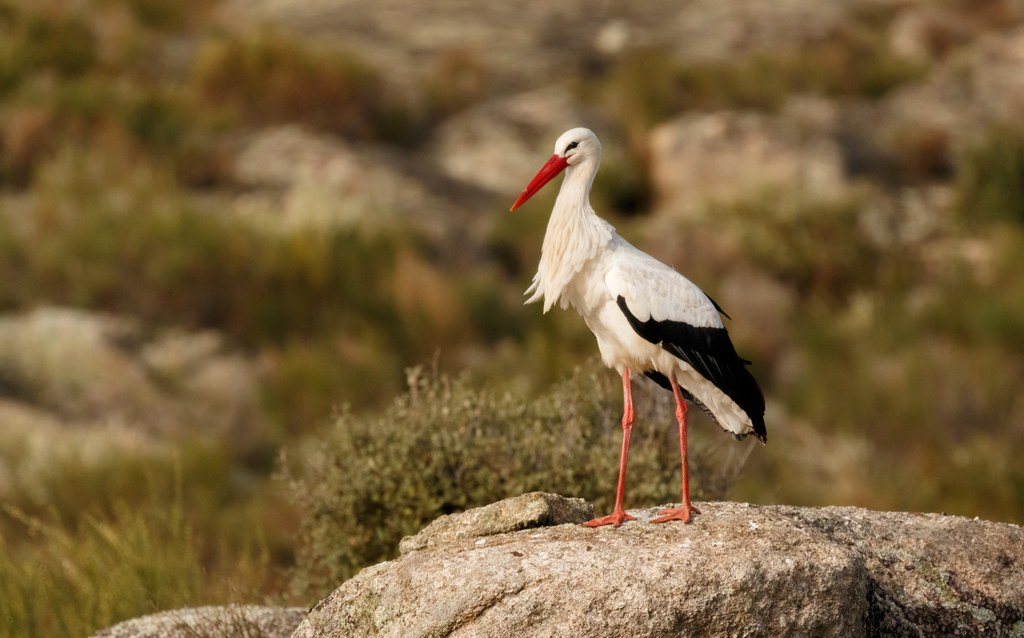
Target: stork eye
(571, 146)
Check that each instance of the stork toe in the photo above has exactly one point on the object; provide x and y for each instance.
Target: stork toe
(684, 514)
(615, 518)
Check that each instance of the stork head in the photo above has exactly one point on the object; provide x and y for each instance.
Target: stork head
(575, 146)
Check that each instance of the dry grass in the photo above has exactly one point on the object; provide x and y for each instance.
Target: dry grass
(73, 576)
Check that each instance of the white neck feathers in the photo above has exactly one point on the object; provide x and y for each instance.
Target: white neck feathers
(575, 235)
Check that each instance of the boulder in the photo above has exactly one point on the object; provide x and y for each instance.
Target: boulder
(737, 570)
(499, 145)
(923, 33)
(78, 364)
(728, 156)
(964, 95)
(250, 621)
(305, 180)
(37, 448)
(911, 216)
(213, 384)
(88, 369)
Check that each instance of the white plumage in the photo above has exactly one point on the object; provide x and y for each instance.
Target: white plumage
(646, 317)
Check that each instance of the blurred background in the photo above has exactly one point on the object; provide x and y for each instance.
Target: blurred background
(261, 300)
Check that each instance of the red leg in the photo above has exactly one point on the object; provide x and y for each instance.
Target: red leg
(685, 511)
(618, 514)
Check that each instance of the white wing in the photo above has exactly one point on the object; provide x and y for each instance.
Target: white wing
(655, 291)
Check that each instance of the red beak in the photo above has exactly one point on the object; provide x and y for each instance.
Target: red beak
(555, 165)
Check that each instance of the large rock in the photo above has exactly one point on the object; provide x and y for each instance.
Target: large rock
(37, 447)
(304, 180)
(499, 145)
(243, 621)
(729, 156)
(922, 33)
(980, 86)
(82, 389)
(88, 368)
(78, 364)
(737, 570)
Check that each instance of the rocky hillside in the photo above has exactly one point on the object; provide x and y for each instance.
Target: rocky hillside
(228, 230)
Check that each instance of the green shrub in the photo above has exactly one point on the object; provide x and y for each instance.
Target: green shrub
(444, 447)
(157, 119)
(54, 41)
(306, 379)
(990, 177)
(168, 15)
(922, 153)
(815, 247)
(645, 86)
(455, 80)
(650, 85)
(271, 78)
(124, 239)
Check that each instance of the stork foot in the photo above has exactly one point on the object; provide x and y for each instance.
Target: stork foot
(616, 518)
(684, 514)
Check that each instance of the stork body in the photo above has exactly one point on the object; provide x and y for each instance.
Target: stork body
(646, 317)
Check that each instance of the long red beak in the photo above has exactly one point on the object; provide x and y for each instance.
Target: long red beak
(555, 165)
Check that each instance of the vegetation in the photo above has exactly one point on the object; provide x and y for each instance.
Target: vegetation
(183, 262)
(890, 367)
(445, 447)
(991, 177)
(74, 569)
(646, 86)
(268, 78)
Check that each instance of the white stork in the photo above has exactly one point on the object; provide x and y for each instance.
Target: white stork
(646, 316)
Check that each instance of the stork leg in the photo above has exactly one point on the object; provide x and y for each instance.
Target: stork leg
(685, 511)
(618, 514)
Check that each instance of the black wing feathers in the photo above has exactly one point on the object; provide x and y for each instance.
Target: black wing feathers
(710, 352)
(717, 307)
